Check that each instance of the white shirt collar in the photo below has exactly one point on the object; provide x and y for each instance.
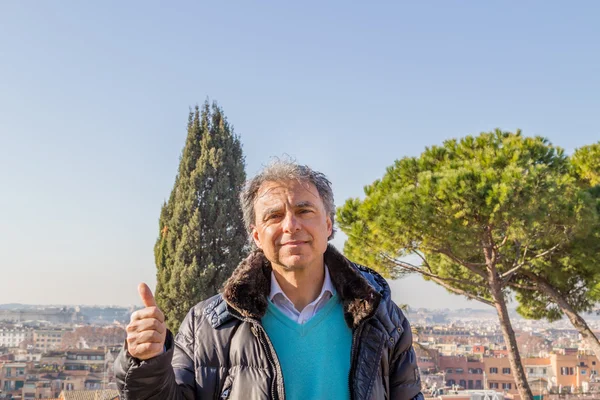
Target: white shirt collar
(327, 287)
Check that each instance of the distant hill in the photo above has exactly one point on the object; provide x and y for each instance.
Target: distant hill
(17, 306)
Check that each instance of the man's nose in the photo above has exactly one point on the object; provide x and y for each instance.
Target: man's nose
(290, 223)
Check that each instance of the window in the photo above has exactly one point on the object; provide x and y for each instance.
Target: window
(493, 385)
(449, 370)
(531, 370)
(463, 383)
(544, 371)
(581, 363)
(478, 384)
(459, 370)
(506, 386)
(493, 370)
(506, 370)
(566, 371)
(583, 372)
(593, 362)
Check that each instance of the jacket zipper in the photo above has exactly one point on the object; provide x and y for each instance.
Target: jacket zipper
(267, 346)
(264, 341)
(355, 337)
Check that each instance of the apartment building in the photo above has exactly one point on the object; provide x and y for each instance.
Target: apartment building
(48, 339)
(13, 337)
(12, 378)
(498, 375)
(84, 360)
(575, 371)
(37, 389)
(465, 372)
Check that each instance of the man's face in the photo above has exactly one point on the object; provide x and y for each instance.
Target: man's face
(291, 225)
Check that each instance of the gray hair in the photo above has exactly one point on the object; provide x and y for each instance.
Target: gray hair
(284, 170)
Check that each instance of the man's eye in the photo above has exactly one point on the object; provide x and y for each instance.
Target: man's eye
(305, 211)
(273, 216)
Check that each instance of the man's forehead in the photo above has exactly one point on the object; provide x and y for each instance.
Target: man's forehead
(272, 190)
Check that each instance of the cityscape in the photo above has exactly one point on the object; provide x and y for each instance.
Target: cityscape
(60, 352)
(68, 352)
(462, 351)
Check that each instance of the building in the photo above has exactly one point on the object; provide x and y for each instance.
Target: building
(498, 375)
(446, 349)
(479, 350)
(48, 339)
(12, 378)
(37, 389)
(476, 395)
(23, 355)
(540, 374)
(51, 315)
(575, 371)
(465, 372)
(89, 395)
(84, 360)
(13, 337)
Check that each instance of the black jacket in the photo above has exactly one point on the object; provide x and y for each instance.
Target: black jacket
(222, 351)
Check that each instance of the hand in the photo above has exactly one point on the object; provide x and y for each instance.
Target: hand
(147, 331)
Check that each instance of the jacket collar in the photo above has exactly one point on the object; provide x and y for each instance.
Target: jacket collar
(246, 291)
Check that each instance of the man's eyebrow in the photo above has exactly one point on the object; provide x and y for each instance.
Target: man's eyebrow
(305, 204)
(271, 210)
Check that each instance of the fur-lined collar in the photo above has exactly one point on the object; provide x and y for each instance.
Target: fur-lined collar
(247, 289)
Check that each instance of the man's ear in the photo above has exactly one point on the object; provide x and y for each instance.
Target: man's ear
(329, 226)
(255, 237)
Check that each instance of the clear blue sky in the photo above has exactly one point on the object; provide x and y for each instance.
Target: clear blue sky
(94, 99)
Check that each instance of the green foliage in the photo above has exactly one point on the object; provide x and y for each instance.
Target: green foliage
(572, 270)
(201, 232)
(470, 207)
(586, 163)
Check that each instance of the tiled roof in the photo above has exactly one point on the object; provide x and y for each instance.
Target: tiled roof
(89, 394)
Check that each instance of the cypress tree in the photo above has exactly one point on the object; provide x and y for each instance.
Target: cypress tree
(201, 232)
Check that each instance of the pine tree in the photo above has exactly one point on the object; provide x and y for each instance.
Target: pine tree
(485, 215)
(201, 232)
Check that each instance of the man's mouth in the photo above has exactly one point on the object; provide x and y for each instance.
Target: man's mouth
(294, 243)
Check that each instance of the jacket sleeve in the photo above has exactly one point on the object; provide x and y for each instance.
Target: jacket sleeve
(405, 380)
(167, 376)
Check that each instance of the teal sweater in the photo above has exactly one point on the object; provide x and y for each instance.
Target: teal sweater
(315, 356)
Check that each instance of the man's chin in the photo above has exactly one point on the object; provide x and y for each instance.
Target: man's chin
(293, 262)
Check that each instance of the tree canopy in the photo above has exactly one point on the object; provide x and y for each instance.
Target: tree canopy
(201, 232)
(481, 213)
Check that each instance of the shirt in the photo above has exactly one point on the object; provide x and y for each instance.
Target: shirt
(285, 305)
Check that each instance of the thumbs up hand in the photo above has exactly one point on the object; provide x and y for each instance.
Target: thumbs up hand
(147, 331)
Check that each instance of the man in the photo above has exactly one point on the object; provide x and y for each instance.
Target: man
(296, 320)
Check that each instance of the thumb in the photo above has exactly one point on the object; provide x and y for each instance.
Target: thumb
(146, 295)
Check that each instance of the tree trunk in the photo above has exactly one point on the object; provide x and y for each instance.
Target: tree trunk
(510, 340)
(495, 283)
(576, 320)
